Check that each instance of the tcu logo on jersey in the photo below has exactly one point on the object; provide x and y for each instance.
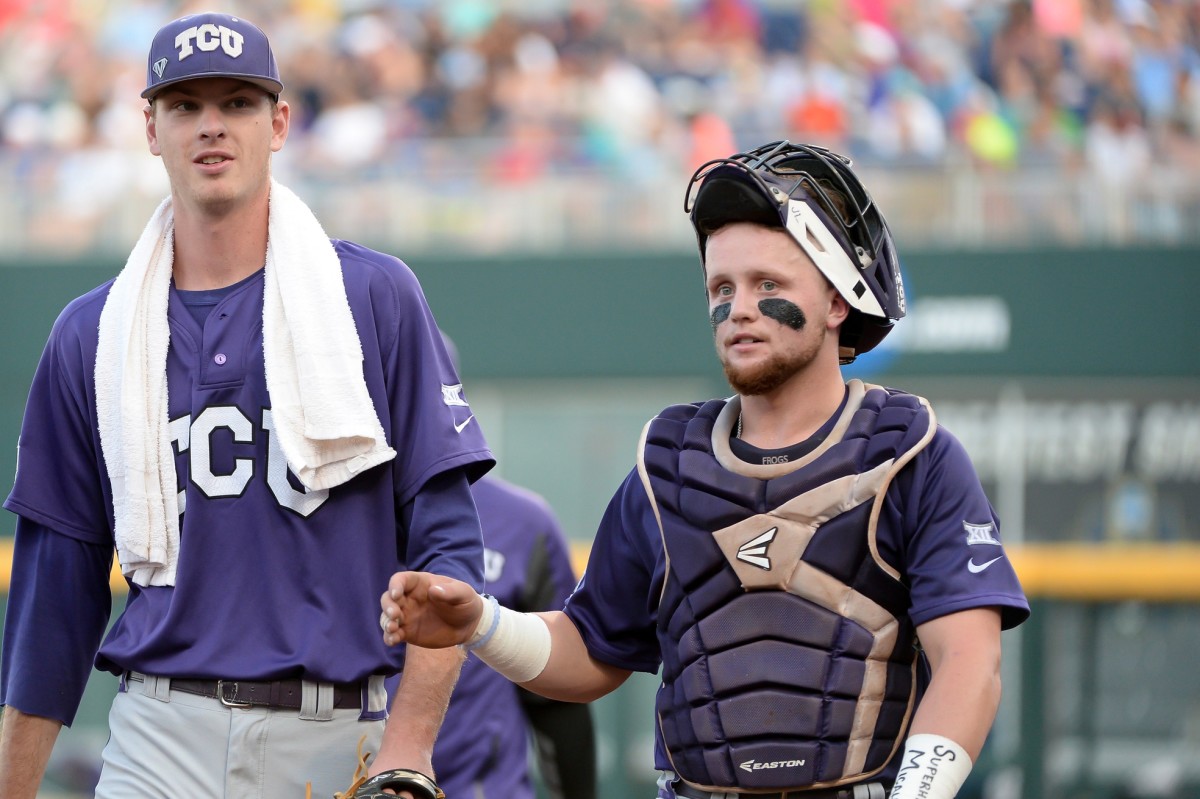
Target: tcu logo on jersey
(195, 438)
(209, 37)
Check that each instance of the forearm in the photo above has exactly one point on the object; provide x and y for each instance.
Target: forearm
(418, 709)
(542, 652)
(960, 704)
(958, 708)
(964, 689)
(25, 745)
(947, 733)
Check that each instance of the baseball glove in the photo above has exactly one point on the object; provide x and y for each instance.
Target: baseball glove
(398, 779)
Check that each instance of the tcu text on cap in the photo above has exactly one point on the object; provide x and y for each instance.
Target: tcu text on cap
(209, 37)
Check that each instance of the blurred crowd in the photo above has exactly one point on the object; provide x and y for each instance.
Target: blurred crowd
(514, 92)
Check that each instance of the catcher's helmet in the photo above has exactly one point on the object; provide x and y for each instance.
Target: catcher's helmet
(795, 187)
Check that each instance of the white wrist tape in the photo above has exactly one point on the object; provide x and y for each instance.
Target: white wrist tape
(514, 644)
(933, 767)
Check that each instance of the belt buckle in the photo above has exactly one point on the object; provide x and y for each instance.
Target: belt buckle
(230, 702)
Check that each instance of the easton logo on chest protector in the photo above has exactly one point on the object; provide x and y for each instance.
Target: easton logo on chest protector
(758, 765)
(754, 551)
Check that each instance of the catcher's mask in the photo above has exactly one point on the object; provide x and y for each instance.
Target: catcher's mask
(811, 193)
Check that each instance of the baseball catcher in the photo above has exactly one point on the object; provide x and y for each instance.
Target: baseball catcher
(811, 566)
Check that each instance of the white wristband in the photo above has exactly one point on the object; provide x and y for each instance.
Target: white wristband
(932, 767)
(517, 645)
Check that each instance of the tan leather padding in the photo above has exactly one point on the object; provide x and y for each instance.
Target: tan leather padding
(897, 465)
(795, 523)
(822, 589)
(644, 476)
(727, 417)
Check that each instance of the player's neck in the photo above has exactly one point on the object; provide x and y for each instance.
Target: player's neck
(212, 253)
(794, 411)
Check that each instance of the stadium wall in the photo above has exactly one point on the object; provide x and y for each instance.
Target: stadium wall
(1072, 376)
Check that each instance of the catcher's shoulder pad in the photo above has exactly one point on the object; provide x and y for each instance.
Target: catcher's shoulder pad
(399, 779)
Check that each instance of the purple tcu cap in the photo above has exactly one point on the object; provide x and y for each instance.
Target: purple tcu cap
(211, 45)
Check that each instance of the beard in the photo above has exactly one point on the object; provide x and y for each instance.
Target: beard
(765, 377)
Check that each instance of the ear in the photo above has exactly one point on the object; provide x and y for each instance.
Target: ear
(839, 310)
(280, 124)
(151, 129)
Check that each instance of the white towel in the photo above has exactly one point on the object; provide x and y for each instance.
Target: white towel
(131, 407)
(323, 414)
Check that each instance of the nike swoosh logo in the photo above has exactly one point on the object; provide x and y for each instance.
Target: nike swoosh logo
(974, 568)
(458, 428)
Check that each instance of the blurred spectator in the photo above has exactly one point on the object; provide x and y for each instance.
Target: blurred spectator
(632, 89)
(1118, 146)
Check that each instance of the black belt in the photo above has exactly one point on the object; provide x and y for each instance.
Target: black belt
(248, 693)
(682, 789)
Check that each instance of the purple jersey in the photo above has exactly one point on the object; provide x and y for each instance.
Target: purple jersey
(935, 526)
(273, 579)
(482, 750)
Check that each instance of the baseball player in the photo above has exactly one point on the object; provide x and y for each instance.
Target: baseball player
(265, 424)
(482, 751)
(811, 562)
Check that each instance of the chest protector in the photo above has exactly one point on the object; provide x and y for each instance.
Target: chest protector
(789, 661)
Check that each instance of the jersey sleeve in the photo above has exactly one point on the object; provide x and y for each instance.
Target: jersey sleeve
(441, 531)
(423, 408)
(433, 426)
(954, 556)
(61, 481)
(52, 628)
(615, 605)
